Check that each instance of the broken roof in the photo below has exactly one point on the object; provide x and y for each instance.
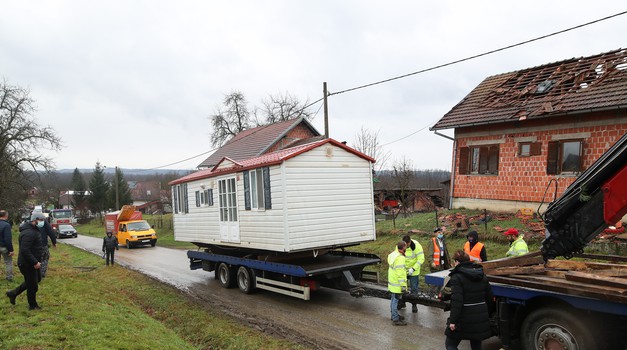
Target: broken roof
(267, 159)
(254, 142)
(586, 84)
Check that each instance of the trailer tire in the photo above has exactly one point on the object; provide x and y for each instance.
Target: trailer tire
(546, 326)
(224, 275)
(245, 280)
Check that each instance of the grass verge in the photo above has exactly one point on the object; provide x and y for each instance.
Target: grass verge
(90, 306)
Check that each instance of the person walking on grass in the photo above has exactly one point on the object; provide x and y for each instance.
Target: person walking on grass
(6, 244)
(46, 232)
(109, 246)
(28, 260)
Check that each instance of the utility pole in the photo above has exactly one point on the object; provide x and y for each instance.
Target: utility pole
(117, 195)
(326, 110)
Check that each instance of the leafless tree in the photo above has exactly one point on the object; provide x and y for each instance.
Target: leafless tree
(278, 108)
(403, 176)
(367, 142)
(22, 140)
(230, 119)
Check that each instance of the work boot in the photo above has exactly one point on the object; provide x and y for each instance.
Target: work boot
(402, 318)
(11, 297)
(36, 307)
(399, 323)
(400, 306)
(414, 308)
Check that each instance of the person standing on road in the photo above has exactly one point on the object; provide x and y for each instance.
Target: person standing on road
(414, 258)
(474, 248)
(472, 302)
(6, 244)
(28, 260)
(397, 280)
(518, 246)
(109, 246)
(45, 232)
(439, 253)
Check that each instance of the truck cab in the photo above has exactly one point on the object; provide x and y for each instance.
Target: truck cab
(129, 228)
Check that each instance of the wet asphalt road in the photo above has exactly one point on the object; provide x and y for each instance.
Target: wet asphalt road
(331, 319)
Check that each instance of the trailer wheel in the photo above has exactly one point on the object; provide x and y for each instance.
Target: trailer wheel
(224, 274)
(245, 280)
(551, 328)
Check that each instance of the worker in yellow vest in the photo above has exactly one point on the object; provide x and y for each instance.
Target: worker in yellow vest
(439, 252)
(414, 258)
(474, 248)
(397, 280)
(518, 246)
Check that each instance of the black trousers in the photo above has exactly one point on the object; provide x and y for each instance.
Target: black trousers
(452, 343)
(30, 284)
(109, 255)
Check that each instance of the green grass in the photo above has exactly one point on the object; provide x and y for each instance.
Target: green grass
(89, 306)
(162, 223)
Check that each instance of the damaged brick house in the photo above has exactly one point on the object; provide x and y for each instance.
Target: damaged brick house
(517, 132)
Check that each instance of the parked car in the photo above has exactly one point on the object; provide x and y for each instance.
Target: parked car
(66, 231)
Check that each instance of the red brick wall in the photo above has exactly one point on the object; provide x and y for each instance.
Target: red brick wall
(525, 178)
(298, 133)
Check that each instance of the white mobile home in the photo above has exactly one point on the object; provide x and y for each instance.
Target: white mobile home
(313, 196)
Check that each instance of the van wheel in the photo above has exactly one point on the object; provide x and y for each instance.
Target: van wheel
(548, 328)
(153, 243)
(128, 244)
(245, 280)
(224, 275)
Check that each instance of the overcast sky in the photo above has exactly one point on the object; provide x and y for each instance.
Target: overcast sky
(133, 83)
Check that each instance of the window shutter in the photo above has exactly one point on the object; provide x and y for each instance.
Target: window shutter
(175, 199)
(246, 190)
(266, 188)
(484, 159)
(551, 158)
(197, 193)
(536, 149)
(463, 160)
(210, 197)
(186, 204)
(493, 160)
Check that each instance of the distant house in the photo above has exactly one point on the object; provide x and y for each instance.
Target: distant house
(311, 196)
(517, 132)
(264, 139)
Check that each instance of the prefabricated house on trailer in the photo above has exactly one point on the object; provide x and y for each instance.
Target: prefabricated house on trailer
(313, 196)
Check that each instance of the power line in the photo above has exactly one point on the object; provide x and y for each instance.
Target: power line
(479, 55)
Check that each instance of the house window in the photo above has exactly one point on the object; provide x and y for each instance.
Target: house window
(257, 189)
(479, 160)
(564, 157)
(179, 198)
(526, 149)
(208, 197)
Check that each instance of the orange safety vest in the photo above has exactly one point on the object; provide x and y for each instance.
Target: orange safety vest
(436, 252)
(475, 253)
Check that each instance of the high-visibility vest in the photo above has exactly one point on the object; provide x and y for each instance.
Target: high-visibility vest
(397, 274)
(414, 258)
(475, 253)
(436, 252)
(518, 247)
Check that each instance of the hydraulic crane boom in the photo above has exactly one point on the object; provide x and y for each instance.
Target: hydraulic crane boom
(597, 199)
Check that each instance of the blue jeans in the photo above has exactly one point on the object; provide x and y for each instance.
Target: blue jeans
(414, 284)
(394, 298)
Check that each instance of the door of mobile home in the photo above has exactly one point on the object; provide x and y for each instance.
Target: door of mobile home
(229, 224)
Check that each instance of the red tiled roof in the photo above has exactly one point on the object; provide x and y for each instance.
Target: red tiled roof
(253, 142)
(264, 160)
(576, 85)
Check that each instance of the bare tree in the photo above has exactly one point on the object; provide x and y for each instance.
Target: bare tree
(367, 142)
(230, 119)
(402, 179)
(278, 108)
(21, 140)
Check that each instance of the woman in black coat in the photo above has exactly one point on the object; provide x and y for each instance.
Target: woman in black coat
(472, 302)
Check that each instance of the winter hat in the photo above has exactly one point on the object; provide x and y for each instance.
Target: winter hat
(512, 231)
(474, 235)
(37, 216)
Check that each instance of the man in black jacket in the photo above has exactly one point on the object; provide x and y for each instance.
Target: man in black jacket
(109, 245)
(472, 302)
(6, 243)
(28, 260)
